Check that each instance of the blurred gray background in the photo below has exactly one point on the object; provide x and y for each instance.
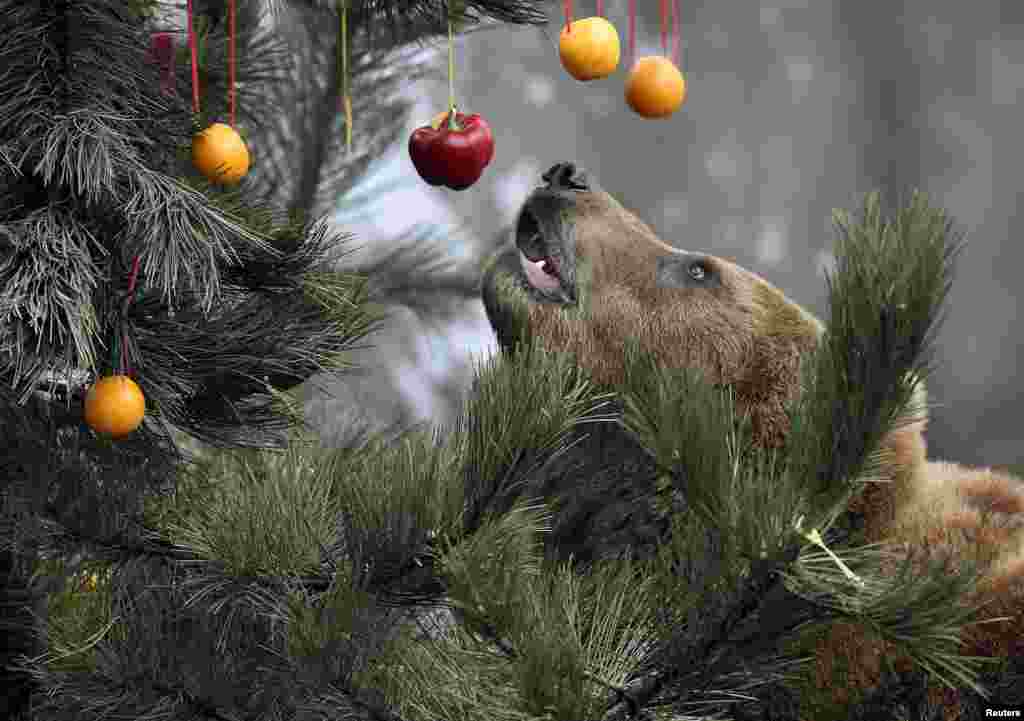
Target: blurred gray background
(795, 107)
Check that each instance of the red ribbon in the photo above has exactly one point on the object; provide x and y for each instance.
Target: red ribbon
(664, 27)
(195, 60)
(677, 45)
(231, 62)
(632, 32)
(126, 366)
(161, 51)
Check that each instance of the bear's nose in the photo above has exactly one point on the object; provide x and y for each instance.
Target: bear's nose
(566, 176)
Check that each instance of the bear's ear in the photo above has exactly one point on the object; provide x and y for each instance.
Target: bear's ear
(778, 317)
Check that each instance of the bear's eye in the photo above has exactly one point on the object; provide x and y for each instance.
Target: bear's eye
(699, 270)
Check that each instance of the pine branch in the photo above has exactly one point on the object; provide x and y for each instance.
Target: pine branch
(886, 300)
(399, 15)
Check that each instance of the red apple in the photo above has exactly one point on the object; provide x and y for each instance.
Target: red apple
(454, 152)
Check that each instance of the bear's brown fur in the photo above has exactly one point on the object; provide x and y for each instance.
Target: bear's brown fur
(593, 275)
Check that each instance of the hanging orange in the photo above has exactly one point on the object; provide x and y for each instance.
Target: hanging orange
(655, 88)
(115, 406)
(220, 154)
(589, 48)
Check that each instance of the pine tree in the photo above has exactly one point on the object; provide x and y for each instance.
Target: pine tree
(562, 552)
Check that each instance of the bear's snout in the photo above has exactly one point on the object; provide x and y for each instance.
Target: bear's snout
(566, 176)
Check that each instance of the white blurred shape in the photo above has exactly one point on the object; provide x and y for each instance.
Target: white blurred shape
(438, 357)
(721, 164)
(825, 262)
(800, 72)
(676, 208)
(772, 241)
(730, 165)
(539, 90)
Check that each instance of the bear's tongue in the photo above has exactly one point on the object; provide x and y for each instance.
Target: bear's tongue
(542, 273)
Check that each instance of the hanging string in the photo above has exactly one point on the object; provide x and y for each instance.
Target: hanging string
(632, 32)
(120, 362)
(195, 62)
(677, 40)
(568, 16)
(346, 95)
(115, 356)
(600, 8)
(231, 62)
(664, 27)
(451, 70)
(131, 296)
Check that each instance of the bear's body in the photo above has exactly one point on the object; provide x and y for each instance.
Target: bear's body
(593, 275)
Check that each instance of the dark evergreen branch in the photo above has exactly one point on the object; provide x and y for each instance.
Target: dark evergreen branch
(397, 15)
(47, 281)
(886, 299)
(521, 416)
(110, 116)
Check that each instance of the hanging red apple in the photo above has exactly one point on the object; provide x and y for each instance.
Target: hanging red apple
(452, 152)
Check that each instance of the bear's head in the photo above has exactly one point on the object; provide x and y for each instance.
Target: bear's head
(592, 275)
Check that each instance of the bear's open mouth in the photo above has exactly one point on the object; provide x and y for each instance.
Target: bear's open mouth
(542, 274)
(541, 264)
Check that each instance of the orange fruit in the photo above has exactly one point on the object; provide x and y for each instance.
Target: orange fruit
(589, 48)
(220, 154)
(115, 406)
(655, 88)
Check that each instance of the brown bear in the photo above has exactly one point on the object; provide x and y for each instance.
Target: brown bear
(593, 274)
